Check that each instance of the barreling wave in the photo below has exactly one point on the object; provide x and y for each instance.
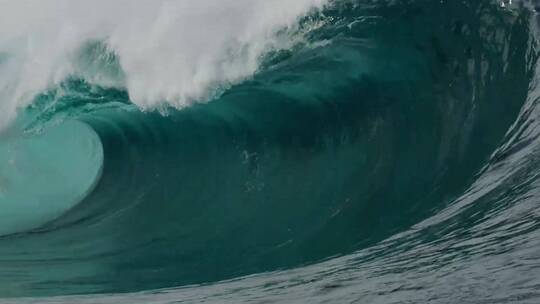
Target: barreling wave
(268, 150)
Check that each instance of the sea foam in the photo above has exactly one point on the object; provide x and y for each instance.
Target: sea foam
(172, 52)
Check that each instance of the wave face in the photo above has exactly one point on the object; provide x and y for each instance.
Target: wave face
(239, 151)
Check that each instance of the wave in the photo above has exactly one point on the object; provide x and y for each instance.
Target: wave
(338, 150)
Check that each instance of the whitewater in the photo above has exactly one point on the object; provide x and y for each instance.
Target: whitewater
(168, 51)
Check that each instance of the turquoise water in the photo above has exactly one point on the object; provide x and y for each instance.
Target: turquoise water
(388, 156)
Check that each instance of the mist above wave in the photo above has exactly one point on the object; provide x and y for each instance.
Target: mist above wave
(170, 52)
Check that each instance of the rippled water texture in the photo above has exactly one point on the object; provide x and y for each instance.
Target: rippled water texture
(350, 151)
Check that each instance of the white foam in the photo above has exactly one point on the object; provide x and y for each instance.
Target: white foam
(170, 51)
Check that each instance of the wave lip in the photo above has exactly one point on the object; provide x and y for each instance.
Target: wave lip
(173, 66)
(42, 176)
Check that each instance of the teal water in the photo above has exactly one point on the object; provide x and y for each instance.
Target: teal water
(391, 156)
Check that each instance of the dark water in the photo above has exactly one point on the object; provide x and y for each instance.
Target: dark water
(391, 158)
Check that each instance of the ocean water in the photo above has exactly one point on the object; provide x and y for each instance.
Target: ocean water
(256, 151)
